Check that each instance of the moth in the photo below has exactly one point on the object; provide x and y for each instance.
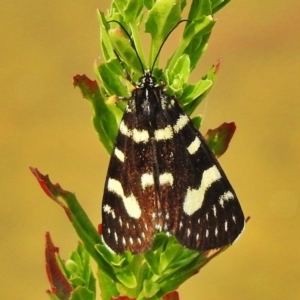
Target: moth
(162, 177)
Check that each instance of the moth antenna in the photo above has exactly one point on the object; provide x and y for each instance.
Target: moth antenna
(131, 41)
(159, 50)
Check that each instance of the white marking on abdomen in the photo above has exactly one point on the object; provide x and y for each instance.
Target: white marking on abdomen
(119, 154)
(166, 178)
(194, 197)
(147, 180)
(194, 145)
(131, 205)
(181, 122)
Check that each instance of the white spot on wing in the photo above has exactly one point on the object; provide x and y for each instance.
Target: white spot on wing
(137, 135)
(163, 134)
(226, 226)
(194, 145)
(116, 237)
(107, 209)
(180, 225)
(147, 180)
(131, 205)
(140, 136)
(188, 232)
(119, 154)
(181, 122)
(166, 178)
(214, 210)
(206, 233)
(216, 231)
(225, 197)
(124, 129)
(194, 197)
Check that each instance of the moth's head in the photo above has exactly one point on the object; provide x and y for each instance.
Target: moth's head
(147, 80)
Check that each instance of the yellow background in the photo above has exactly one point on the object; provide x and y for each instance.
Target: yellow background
(45, 123)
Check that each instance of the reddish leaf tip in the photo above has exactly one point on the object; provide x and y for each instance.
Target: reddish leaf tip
(59, 283)
(217, 66)
(84, 81)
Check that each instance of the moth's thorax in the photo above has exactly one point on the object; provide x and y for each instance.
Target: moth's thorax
(148, 98)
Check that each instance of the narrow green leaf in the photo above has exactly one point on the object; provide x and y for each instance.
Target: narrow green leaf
(104, 121)
(107, 285)
(110, 80)
(133, 10)
(200, 9)
(127, 278)
(82, 293)
(163, 16)
(125, 50)
(218, 4)
(192, 92)
(150, 288)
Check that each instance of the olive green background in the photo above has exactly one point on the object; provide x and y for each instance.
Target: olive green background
(45, 123)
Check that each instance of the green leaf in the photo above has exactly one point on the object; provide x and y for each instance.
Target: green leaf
(107, 285)
(177, 77)
(82, 293)
(104, 121)
(78, 217)
(150, 288)
(111, 79)
(195, 31)
(130, 9)
(127, 278)
(218, 4)
(149, 3)
(197, 121)
(163, 16)
(126, 51)
(106, 45)
(200, 9)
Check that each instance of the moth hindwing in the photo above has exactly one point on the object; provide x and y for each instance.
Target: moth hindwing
(163, 177)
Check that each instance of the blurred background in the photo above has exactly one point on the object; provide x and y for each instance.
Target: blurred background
(45, 123)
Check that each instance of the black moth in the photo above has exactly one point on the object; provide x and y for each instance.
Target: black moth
(163, 177)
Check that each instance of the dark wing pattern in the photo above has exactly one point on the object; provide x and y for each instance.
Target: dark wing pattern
(163, 177)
